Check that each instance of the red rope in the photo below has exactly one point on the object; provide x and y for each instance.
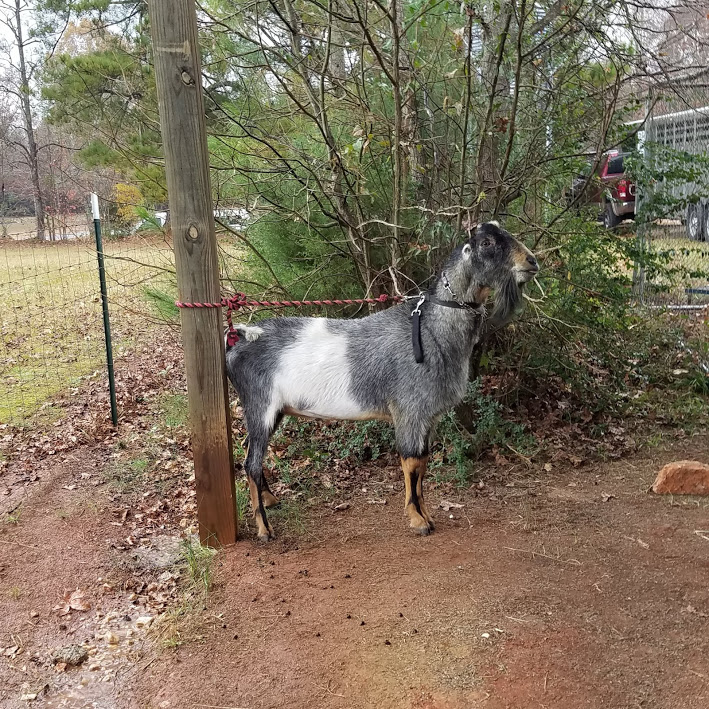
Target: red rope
(239, 300)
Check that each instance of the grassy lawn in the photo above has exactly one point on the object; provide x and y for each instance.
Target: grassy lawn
(51, 327)
(691, 258)
(51, 332)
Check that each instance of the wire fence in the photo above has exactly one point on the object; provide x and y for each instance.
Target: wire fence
(51, 329)
(674, 197)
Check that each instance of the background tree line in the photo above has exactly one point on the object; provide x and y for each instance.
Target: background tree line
(361, 137)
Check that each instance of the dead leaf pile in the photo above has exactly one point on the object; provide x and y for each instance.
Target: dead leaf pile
(73, 601)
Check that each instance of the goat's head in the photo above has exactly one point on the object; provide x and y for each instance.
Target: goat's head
(493, 259)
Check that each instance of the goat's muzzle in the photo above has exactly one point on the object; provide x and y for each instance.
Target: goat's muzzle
(525, 265)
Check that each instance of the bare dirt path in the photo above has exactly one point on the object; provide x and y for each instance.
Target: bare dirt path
(561, 589)
(566, 590)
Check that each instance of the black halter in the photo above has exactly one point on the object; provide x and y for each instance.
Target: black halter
(416, 314)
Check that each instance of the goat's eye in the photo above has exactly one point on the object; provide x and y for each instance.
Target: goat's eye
(486, 243)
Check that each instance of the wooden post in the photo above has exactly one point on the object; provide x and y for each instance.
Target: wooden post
(184, 135)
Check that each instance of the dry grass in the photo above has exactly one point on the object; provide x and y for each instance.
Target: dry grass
(691, 258)
(25, 227)
(51, 331)
(51, 326)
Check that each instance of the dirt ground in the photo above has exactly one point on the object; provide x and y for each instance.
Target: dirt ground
(555, 588)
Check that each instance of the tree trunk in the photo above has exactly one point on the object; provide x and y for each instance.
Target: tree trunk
(32, 154)
(496, 30)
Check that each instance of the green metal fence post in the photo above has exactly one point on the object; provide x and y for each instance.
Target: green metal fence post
(104, 304)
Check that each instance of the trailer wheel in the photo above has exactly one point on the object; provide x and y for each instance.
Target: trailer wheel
(705, 220)
(695, 217)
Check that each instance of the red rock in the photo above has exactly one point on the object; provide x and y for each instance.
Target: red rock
(683, 477)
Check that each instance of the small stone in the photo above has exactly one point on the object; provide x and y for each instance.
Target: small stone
(34, 614)
(485, 635)
(683, 477)
(71, 655)
(144, 621)
(111, 638)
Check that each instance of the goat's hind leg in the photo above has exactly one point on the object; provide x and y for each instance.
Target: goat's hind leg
(261, 496)
(269, 499)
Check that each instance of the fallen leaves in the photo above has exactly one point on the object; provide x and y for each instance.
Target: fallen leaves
(73, 601)
(446, 506)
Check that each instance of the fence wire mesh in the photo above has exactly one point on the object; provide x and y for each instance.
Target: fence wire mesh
(51, 329)
(673, 195)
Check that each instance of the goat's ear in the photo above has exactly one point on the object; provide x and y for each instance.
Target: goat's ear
(467, 250)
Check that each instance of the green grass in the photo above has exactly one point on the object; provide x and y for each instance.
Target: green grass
(290, 516)
(242, 498)
(51, 325)
(126, 476)
(51, 328)
(688, 259)
(199, 560)
(181, 621)
(174, 410)
(13, 517)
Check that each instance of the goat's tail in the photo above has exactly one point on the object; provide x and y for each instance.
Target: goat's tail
(249, 332)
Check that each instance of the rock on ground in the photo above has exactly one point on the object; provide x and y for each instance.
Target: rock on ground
(683, 477)
(71, 655)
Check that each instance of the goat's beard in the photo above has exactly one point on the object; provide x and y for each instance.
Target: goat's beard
(508, 300)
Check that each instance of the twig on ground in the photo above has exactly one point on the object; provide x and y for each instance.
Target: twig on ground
(575, 562)
(19, 544)
(523, 457)
(518, 620)
(327, 689)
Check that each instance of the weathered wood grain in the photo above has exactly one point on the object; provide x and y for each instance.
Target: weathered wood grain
(181, 104)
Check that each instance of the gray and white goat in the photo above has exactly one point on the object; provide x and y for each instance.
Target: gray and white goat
(366, 369)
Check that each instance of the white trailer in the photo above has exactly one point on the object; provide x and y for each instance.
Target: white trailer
(688, 131)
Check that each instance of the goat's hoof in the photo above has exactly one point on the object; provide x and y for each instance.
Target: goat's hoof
(425, 530)
(266, 534)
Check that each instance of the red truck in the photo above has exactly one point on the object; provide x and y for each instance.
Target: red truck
(608, 188)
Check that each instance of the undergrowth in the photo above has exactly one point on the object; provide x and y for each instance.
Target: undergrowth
(178, 623)
(457, 449)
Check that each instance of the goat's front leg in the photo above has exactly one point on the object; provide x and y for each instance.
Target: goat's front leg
(414, 505)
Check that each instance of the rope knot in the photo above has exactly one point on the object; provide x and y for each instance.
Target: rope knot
(232, 304)
(383, 298)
